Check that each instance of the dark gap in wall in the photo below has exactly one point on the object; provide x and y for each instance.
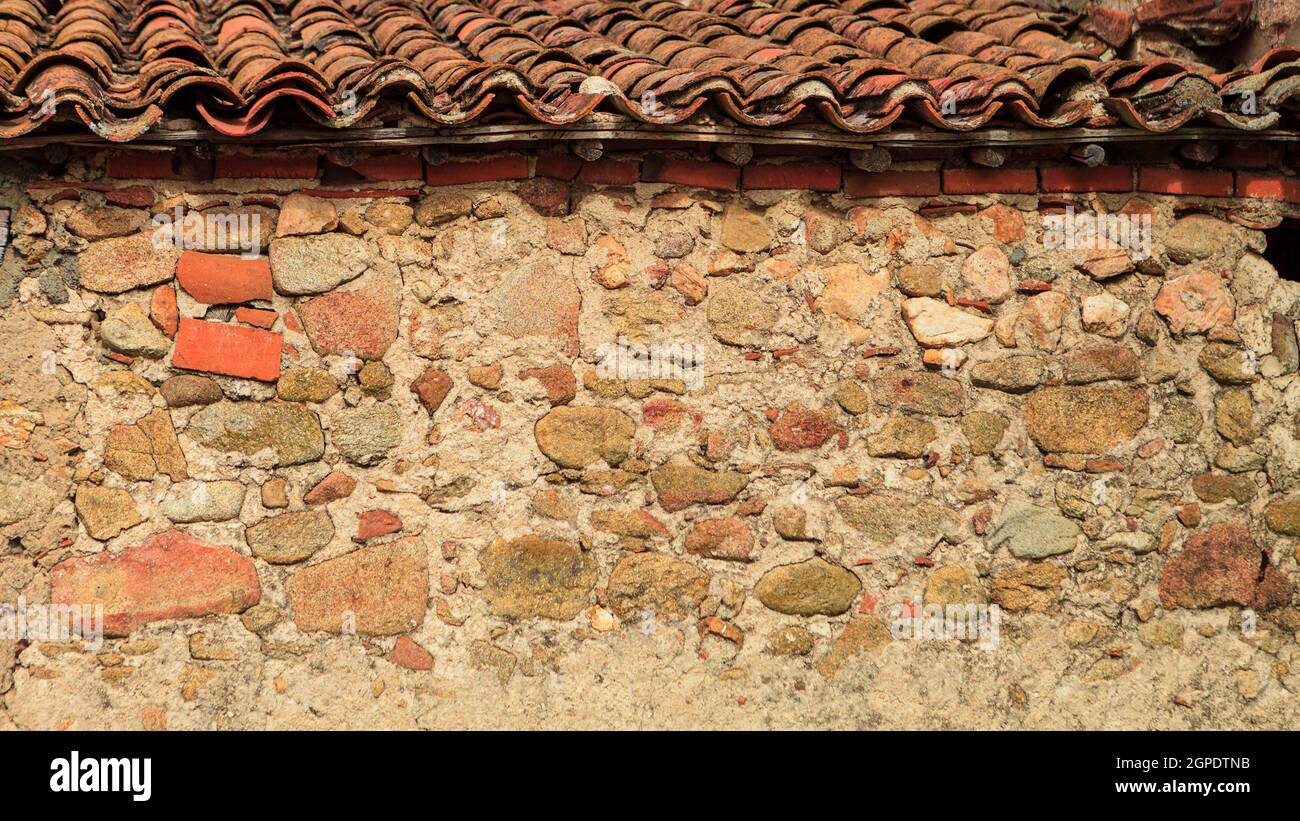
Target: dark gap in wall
(1283, 250)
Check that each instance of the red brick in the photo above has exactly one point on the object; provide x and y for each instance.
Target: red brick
(217, 279)
(513, 167)
(610, 172)
(260, 317)
(389, 167)
(1076, 179)
(142, 165)
(794, 176)
(170, 576)
(717, 175)
(557, 165)
(1267, 187)
(990, 181)
(360, 193)
(236, 165)
(215, 347)
(891, 184)
(1248, 155)
(431, 388)
(135, 196)
(1185, 181)
(381, 590)
(372, 524)
(406, 653)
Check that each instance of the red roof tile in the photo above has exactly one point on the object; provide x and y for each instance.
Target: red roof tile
(119, 66)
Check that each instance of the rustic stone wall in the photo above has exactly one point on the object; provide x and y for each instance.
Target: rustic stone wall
(377, 474)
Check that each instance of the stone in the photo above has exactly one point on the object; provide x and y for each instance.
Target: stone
(112, 266)
(290, 431)
(390, 217)
(1234, 416)
(306, 385)
(127, 329)
(1217, 487)
(885, 517)
(230, 350)
(1042, 318)
(290, 537)
(21, 499)
(189, 389)
(936, 324)
(333, 487)
(1104, 314)
(218, 279)
(920, 280)
(861, 636)
(636, 524)
(137, 452)
(983, 430)
(1228, 364)
(487, 377)
(727, 538)
(533, 577)
(409, 655)
(850, 291)
(1195, 303)
(106, 511)
(302, 214)
(167, 577)
(1099, 363)
(431, 388)
(195, 501)
(489, 658)
(852, 397)
(799, 428)
(928, 394)
(1238, 460)
(794, 640)
(163, 311)
(436, 209)
(316, 264)
(1084, 419)
(360, 323)
(1286, 348)
(1222, 565)
(737, 315)
(808, 588)
(954, 585)
(1010, 374)
(364, 435)
(275, 493)
(541, 301)
(547, 196)
(1135, 540)
(1033, 532)
(381, 590)
(679, 486)
(1181, 420)
(93, 224)
(745, 231)
(1033, 588)
(1198, 236)
(578, 436)
(557, 380)
(1283, 516)
(372, 524)
(902, 437)
(985, 275)
(658, 584)
(1165, 632)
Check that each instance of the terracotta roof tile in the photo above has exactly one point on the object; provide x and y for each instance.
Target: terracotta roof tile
(861, 66)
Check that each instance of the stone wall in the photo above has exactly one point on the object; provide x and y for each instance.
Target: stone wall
(374, 471)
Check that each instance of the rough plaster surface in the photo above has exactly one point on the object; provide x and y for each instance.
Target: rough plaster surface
(816, 280)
